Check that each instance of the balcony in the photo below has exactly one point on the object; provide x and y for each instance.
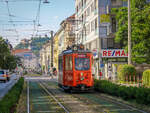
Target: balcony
(72, 34)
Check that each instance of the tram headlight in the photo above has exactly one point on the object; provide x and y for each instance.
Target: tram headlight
(81, 74)
(82, 78)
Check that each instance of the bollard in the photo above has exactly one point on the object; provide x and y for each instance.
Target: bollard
(137, 78)
(126, 79)
(130, 79)
(140, 81)
(133, 79)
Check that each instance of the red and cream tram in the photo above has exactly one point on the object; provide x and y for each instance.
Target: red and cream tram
(75, 69)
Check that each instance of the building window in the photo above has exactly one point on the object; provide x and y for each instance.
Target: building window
(96, 24)
(113, 20)
(92, 25)
(88, 29)
(110, 43)
(116, 3)
(82, 18)
(77, 9)
(84, 29)
(104, 43)
(92, 7)
(103, 31)
(88, 11)
(82, 2)
(85, 2)
(85, 16)
(80, 5)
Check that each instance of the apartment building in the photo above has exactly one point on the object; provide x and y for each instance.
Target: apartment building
(28, 58)
(56, 49)
(45, 57)
(61, 38)
(95, 22)
(68, 26)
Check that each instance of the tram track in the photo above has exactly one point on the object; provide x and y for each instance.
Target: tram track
(72, 103)
(102, 103)
(40, 100)
(50, 94)
(47, 97)
(130, 107)
(110, 105)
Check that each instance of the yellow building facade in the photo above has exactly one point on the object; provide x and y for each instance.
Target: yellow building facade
(56, 51)
(45, 57)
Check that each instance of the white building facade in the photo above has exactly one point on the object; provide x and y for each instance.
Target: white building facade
(28, 58)
(95, 22)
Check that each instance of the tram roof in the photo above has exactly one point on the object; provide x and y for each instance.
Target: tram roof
(70, 51)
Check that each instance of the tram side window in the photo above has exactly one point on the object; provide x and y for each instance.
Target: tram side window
(68, 63)
(60, 65)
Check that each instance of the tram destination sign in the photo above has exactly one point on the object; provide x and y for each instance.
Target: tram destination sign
(112, 53)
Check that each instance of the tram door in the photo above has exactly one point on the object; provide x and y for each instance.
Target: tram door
(60, 74)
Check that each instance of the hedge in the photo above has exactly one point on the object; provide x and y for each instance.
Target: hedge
(125, 71)
(141, 95)
(9, 101)
(146, 78)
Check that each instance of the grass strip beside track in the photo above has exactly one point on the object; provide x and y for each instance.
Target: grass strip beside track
(9, 101)
(40, 101)
(22, 103)
(107, 104)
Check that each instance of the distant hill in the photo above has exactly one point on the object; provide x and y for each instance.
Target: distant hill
(36, 44)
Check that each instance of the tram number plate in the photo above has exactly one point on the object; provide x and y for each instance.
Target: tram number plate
(81, 55)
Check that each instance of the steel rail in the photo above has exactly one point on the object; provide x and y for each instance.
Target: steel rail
(123, 104)
(50, 94)
(28, 103)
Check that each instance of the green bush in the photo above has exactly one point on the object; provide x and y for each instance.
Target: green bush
(119, 73)
(126, 71)
(11, 98)
(146, 77)
(141, 95)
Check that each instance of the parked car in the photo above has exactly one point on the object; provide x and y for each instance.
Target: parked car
(4, 76)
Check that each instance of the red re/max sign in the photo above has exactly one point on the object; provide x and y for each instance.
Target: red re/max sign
(114, 53)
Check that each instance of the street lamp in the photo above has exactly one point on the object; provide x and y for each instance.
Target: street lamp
(46, 2)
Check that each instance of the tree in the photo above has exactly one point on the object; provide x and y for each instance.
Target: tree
(140, 20)
(4, 51)
(36, 44)
(7, 60)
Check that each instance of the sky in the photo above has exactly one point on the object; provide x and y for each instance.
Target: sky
(17, 17)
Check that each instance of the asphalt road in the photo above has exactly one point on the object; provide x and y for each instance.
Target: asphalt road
(5, 87)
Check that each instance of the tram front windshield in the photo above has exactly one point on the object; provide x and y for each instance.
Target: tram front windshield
(82, 64)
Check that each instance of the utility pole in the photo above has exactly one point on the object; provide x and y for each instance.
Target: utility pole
(100, 46)
(129, 33)
(52, 48)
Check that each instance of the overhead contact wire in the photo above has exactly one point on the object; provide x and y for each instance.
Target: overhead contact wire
(9, 14)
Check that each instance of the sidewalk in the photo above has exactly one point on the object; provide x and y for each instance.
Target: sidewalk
(5, 87)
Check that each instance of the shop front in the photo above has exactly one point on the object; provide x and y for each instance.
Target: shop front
(111, 59)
